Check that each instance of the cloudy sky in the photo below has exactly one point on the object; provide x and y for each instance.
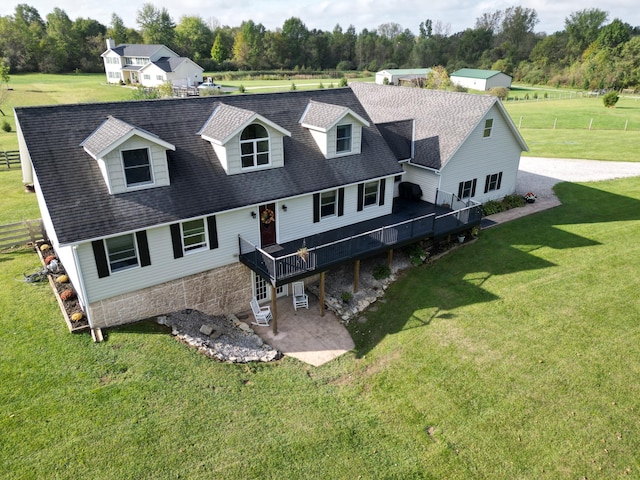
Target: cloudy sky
(325, 14)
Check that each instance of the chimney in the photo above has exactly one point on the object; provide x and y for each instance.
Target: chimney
(110, 44)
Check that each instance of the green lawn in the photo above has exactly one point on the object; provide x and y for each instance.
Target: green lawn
(579, 128)
(514, 357)
(17, 205)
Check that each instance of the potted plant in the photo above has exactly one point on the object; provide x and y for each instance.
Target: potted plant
(461, 238)
(530, 197)
(346, 297)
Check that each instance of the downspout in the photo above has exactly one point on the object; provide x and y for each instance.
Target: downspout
(96, 333)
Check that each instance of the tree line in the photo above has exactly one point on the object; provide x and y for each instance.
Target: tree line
(590, 52)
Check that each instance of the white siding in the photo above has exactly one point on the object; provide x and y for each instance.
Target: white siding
(467, 82)
(153, 71)
(428, 180)
(297, 221)
(163, 266)
(188, 73)
(327, 141)
(479, 157)
(113, 68)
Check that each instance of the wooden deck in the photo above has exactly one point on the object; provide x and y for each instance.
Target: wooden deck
(409, 222)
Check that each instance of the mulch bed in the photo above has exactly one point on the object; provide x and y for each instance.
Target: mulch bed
(68, 306)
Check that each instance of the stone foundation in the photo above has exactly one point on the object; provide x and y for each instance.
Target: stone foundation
(215, 292)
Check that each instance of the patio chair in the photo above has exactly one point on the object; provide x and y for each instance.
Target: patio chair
(261, 314)
(300, 299)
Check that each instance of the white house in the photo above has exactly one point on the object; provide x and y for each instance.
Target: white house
(480, 79)
(149, 65)
(398, 76)
(204, 203)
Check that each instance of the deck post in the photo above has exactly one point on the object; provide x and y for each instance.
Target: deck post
(390, 258)
(356, 276)
(322, 294)
(274, 309)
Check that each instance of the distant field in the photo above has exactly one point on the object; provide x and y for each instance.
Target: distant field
(584, 128)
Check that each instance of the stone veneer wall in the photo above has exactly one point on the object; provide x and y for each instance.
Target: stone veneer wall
(215, 292)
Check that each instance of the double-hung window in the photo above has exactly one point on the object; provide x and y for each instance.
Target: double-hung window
(328, 204)
(194, 235)
(343, 139)
(254, 146)
(488, 126)
(370, 193)
(121, 252)
(467, 189)
(137, 167)
(492, 182)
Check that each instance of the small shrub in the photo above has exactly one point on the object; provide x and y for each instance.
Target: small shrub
(5, 126)
(293, 86)
(321, 86)
(500, 92)
(67, 295)
(346, 297)
(610, 99)
(241, 88)
(381, 271)
(491, 207)
(343, 82)
(513, 201)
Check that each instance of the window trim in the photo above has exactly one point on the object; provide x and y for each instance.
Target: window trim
(364, 194)
(136, 255)
(488, 128)
(204, 245)
(132, 186)
(254, 143)
(462, 187)
(344, 138)
(334, 203)
(497, 182)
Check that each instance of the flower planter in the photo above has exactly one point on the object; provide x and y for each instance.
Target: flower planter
(530, 200)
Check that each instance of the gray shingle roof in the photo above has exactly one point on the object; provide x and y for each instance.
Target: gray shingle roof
(81, 207)
(109, 132)
(169, 64)
(136, 49)
(443, 120)
(224, 121)
(323, 115)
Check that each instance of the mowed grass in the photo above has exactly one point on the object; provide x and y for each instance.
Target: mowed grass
(517, 356)
(17, 205)
(579, 128)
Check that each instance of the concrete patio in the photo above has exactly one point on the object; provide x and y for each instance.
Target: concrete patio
(304, 334)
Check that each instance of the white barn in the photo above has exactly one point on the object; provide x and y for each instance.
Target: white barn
(480, 79)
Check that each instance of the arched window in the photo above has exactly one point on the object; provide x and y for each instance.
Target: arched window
(254, 146)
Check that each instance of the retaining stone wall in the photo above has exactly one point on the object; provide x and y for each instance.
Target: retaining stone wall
(215, 292)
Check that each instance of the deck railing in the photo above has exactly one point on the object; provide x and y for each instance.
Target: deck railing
(321, 257)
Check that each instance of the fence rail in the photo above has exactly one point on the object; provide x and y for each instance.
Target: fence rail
(21, 233)
(9, 158)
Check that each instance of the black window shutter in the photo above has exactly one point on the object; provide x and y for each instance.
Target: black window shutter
(499, 181)
(360, 196)
(143, 248)
(176, 240)
(382, 186)
(473, 187)
(212, 229)
(340, 202)
(486, 184)
(460, 190)
(316, 207)
(100, 256)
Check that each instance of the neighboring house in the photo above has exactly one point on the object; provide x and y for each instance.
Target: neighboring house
(461, 143)
(402, 76)
(480, 79)
(203, 203)
(149, 65)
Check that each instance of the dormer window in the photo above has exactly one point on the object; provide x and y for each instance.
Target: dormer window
(343, 139)
(254, 146)
(137, 167)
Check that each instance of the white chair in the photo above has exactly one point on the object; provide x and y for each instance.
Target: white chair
(300, 299)
(261, 314)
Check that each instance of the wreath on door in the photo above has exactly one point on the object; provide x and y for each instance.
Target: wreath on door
(267, 216)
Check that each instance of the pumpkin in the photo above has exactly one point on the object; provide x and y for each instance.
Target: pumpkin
(49, 258)
(76, 317)
(62, 279)
(67, 295)
(44, 247)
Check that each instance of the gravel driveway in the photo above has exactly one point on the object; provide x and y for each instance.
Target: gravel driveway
(539, 174)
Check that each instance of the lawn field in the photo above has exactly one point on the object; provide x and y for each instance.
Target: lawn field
(516, 356)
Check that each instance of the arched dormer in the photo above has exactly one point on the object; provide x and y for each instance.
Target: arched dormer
(244, 140)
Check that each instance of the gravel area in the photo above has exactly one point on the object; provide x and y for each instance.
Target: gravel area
(539, 175)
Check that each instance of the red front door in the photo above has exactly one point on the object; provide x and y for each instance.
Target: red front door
(267, 224)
